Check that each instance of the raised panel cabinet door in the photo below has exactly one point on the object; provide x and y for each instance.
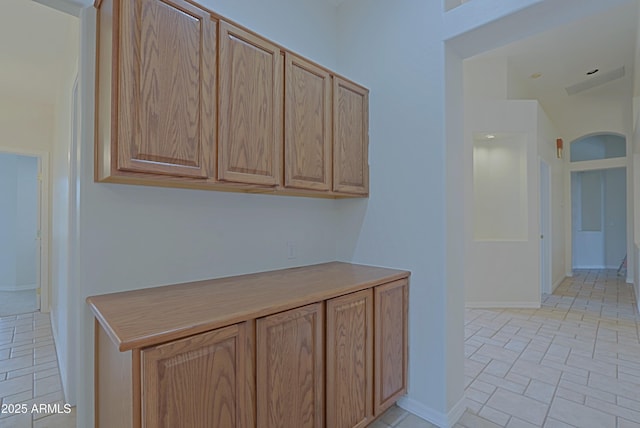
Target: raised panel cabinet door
(250, 119)
(391, 340)
(166, 90)
(350, 137)
(290, 363)
(350, 360)
(202, 381)
(307, 134)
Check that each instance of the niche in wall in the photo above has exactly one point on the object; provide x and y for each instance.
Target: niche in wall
(500, 187)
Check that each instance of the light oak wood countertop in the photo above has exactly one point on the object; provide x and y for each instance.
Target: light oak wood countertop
(140, 318)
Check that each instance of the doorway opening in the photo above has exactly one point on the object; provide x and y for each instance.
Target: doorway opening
(599, 218)
(598, 188)
(21, 263)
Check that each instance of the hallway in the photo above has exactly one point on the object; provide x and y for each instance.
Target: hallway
(573, 363)
(29, 375)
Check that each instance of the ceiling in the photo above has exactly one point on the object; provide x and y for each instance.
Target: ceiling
(35, 39)
(34, 49)
(563, 56)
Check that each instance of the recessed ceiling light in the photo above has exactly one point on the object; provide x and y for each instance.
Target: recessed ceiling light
(594, 71)
(490, 136)
(536, 75)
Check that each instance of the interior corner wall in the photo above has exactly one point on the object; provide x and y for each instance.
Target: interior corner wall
(135, 237)
(63, 294)
(397, 51)
(547, 135)
(503, 273)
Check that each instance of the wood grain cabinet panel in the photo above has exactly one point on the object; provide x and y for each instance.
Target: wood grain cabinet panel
(307, 134)
(350, 360)
(198, 382)
(308, 347)
(166, 88)
(251, 96)
(350, 137)
(290, 361)
(391, 343)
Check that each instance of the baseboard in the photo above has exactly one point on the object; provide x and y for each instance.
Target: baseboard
(502, 305)
(556, 284)
(594, 267)
(439, 419)
(61, 363)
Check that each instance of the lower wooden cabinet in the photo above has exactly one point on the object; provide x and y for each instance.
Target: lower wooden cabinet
(391, 338)
(290, 361)
(201, 381)
(256, 352)
(350, 360)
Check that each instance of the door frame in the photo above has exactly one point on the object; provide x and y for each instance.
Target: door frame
(546, 277)
(42, 261)
(599, 164)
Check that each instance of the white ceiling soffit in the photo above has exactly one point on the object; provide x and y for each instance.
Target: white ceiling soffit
(72, 7)
(595, 81)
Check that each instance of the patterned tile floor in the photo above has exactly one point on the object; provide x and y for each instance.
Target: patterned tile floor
(29, 375)
(573, 363)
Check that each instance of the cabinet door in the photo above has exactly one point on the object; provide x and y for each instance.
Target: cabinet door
(307, 134)
(390, 355)
(250, 119)
(290, 363)
(350, 360)
(166, 88)
(201, 381)
(350, 137)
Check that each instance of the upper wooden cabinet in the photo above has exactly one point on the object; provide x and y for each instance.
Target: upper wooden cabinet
(250, 119)
(350, 137)
(185, 98)
(307, 135)
(163, 88)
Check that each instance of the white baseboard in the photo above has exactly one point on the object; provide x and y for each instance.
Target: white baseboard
(594, 267)
(15, 287)
(556, 284)
(439, 419)
(503, 305)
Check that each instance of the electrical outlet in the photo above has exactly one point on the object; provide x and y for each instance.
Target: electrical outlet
(291, 250)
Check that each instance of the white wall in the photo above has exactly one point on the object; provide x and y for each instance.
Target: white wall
(396, 50)
(133, 237)
(63, 293)
(27, 222)
(615, 216)
(547, 135)
(18, 222)
(25, 126)
(504, 273)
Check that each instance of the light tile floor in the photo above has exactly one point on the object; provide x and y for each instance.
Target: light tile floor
(29, 375)
(573, 363)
